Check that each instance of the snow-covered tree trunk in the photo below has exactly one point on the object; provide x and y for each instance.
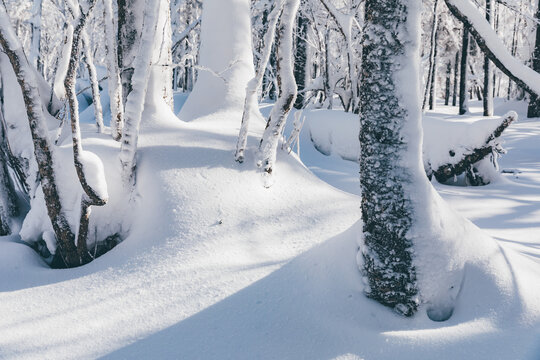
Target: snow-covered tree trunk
(287, 90)
(66, 252)
(390, 156)
(92, 74)
(85, 164)
(463, 102)
(35, 50)
(300, 59)
(136, 99)
(488, 72)
(226, 60)
(255, 83)
(130, 23)
(8, 197)
(113, 73)
(447, 84)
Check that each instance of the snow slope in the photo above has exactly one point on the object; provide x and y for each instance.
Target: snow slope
(218, 267)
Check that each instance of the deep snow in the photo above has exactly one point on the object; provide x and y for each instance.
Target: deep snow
(218, 267)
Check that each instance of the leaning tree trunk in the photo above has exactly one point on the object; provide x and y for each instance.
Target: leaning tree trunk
(390, 156)
(488, 84)
(66, 252)
(534, 104)
(287, 91)
(8, 197)
(463, 104)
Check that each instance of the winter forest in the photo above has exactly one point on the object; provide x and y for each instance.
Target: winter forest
(270, 179)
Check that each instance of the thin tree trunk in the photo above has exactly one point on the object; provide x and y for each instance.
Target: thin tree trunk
(447, 87)
(300, 59)
(533, 109)
(433, 77)
(456, 80)
(113, 72)
(463, 104)
(287, 91)
(488, 88)
(432, 52)
(255, 83)
(92, 75)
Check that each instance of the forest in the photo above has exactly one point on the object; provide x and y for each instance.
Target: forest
(269, 179)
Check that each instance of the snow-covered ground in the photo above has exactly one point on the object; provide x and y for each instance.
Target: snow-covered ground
(218, 267)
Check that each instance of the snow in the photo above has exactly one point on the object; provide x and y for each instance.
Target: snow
(225, 57)
(216, 266)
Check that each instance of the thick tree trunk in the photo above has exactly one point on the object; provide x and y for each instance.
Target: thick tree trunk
(534, 104)
(287, 91)
(463, 104)
(389, 56)
(8, 197)
(488, 85)
(66, 252)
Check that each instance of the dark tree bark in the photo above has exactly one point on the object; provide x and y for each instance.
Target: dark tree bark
(433, 77)
(66, 251)
(463, 105)
(534, 104)
(488, 85)
(432, 54)
(300, 58)
(387, 211)
(8, 197)
(456, 80)
(447, 85)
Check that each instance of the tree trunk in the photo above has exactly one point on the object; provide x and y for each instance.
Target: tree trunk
(287, 91)
(113, 73)
(390, 55)
(92, 75)
(447, 85)
(463, 104)
(300, 57)
(66, 252)
(488, 85)
(456, 77)
(432, 52)
(255, 83)
(433, 77)
(533, 109)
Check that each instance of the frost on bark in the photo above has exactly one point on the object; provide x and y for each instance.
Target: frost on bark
(113, 73)
(300, 59)
(387, 211)
(488, 72)
(255, 83)
(287, 90)
(8, 197)
(129, 25)
(432, 53)
(136, 99)
(66, 252)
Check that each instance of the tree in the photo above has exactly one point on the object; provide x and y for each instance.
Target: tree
(488, 72)
(388, 114)
(533, 109)
(463, 103)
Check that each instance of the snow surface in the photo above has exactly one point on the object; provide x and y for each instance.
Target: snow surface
(218, 267)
